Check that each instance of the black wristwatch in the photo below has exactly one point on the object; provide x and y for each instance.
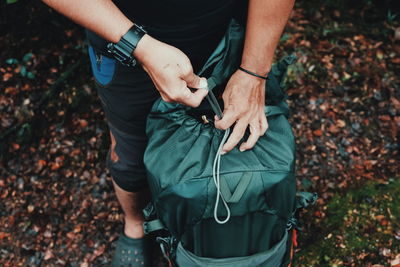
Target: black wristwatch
(122, 51)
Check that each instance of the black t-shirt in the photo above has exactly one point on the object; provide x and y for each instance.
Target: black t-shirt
(186, 24)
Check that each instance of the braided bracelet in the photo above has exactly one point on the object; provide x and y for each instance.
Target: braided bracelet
(254, 74)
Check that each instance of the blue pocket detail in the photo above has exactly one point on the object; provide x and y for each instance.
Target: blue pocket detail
(102, 67)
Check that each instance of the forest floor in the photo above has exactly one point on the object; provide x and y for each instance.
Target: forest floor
(57, 205)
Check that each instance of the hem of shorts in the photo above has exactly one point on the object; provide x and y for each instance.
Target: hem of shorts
(132, 189)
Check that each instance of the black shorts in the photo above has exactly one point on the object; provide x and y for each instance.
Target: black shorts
(127, 95)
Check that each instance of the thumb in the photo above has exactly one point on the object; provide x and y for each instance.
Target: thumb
(194, 81)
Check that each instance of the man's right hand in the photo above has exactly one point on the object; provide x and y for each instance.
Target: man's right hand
(168, 67)
(171, 72)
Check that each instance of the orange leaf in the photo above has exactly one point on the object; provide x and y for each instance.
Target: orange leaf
(15, 146)
(71, 235)
(83, 123)
(333, 129)
(317, 132)
(4, 235)
(42, 162)
(6, 76)
(55, 166)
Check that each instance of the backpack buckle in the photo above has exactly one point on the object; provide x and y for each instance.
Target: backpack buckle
(292, 223)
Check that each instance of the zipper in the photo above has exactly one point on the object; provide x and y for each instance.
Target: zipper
(99, 59)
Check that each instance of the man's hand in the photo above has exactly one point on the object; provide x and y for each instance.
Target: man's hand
(244, 101)
(171, 72)
(244, 95)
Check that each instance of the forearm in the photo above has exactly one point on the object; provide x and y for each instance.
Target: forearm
(265, 23)
(99, 16)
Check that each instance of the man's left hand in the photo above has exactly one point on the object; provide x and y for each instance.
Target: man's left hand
(244, 101)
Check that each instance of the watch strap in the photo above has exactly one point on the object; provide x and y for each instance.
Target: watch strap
(123, 50)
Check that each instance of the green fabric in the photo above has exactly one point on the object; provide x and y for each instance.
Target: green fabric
(239, 190)
(240, 236)
(179, 159)
(269, 258)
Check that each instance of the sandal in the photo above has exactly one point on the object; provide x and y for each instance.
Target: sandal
(132, 252)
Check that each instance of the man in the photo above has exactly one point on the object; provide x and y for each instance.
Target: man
(181, 34)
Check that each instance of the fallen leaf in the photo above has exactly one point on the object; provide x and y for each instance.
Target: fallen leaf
(15, 146)
(318, 132)
(71, 235)
(77, 229)
(48, 255)
(341, 123)
(83, 123)
(31, 208)
(333, 129)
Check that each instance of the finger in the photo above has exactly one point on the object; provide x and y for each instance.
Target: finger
(236, 136)
(192, 99)
(194, 81)
(229, 117)
(253, 137)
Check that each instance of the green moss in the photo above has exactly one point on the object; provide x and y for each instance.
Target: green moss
(358, 228)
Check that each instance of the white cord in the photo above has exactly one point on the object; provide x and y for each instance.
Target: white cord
(216, 169)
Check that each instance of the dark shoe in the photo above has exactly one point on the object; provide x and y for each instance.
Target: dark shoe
(132, 252)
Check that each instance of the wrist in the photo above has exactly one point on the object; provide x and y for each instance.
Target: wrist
(124, 48)
(258, 68)
(253, 74)
(249, 80)
(141, 48)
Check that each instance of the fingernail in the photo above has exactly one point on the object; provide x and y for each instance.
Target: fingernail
(242, 149)
(223, 152)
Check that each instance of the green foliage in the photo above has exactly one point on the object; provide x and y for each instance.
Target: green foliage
(391, 16)
(11, 61)
(11, 1)
(359, 226)
(365, 12)
(23, 64)
(27, 57)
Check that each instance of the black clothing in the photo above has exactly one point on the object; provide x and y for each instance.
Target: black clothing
(127, 93)
(181, 23)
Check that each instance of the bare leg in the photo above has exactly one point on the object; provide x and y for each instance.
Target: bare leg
(132, 205)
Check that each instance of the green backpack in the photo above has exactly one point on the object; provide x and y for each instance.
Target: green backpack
(233, 210)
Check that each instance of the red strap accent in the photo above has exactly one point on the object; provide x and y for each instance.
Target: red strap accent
(294, 237)
(294, 244)
(291, 255)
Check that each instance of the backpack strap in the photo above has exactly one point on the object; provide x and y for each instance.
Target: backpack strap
(151, 226)
(303, 200)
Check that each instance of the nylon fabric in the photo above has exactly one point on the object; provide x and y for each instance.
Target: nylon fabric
(269, 258)
(239, 188)
(183, 180)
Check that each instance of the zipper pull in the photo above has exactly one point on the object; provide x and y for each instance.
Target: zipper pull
(99, 58)
(205, 120)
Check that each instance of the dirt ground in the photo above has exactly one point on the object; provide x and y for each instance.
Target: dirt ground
(57, 205)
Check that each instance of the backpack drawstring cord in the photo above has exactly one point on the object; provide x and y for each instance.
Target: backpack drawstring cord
(216, 178)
